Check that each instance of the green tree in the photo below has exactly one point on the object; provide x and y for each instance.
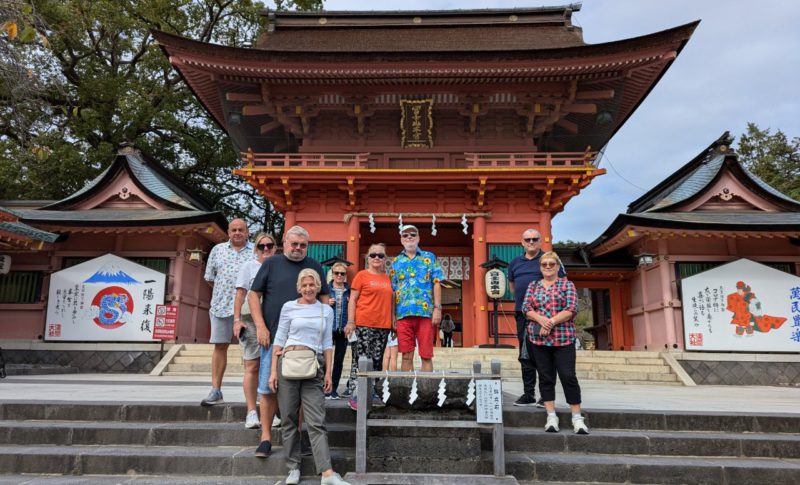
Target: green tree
(773, 158)
(90, 76)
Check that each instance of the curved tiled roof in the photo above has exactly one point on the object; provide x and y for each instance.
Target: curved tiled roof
(24, 230)
(146, 174)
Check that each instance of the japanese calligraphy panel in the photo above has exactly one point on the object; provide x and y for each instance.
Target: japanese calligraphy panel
(416, 123)
(104, 299)
(742, 306)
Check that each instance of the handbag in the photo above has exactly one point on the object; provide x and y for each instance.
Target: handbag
(302, 363)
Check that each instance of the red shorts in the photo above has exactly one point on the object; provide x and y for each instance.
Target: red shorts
(412, 331)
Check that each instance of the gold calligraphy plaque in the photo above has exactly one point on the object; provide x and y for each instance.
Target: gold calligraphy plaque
(416, 123)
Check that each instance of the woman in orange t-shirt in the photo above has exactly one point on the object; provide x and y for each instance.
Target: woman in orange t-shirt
(370, 312)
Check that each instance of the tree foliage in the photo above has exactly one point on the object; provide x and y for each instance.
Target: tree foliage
(773, 158)
(79, 77)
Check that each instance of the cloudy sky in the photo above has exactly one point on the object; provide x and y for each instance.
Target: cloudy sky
(742, 64)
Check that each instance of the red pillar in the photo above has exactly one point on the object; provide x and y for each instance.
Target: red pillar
(546, 230)
(289, 219)
(352, 247)
(480, 329)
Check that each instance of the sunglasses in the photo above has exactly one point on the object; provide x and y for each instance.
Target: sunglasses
(551, 264)
(298, 245)
(409, 235)
(262, 247)
(531, 239)
(377, 255)
(340, 273)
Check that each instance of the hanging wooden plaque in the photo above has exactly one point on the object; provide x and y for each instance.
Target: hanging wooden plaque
(416, 123)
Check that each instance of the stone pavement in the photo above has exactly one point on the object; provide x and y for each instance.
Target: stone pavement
(596, 394)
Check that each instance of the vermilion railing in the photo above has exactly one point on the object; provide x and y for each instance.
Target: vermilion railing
(529, 159)
(306, 160)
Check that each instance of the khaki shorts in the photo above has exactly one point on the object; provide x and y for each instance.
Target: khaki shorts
(249, 344)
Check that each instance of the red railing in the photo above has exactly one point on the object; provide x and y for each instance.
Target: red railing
(529, 159)
(305, 160)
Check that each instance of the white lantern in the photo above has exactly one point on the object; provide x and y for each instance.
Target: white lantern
(5, 264)
(495, 281)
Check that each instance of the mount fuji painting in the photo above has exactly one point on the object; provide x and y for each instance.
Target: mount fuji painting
(110, 273)
(108, 299)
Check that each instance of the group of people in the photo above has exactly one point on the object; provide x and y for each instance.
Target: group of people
(279, 303)
(275, 304)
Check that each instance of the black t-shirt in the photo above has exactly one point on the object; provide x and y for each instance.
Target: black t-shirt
(276, 280)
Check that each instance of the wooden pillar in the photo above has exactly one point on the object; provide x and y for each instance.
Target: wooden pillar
(289, 219)
(666, 294)
(480, 329)
(546, 230)
(645, 313)
(617, 319)
(352, 247)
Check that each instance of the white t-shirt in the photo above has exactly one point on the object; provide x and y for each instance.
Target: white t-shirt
(247, 273)
(300, 325)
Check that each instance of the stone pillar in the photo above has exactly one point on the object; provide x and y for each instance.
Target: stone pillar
(352, 247)
(480, 330)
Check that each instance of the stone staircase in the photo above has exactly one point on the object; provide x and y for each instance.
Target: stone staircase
(619, 366)
(186, 443)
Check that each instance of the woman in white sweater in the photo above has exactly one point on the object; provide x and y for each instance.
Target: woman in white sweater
(305, 324)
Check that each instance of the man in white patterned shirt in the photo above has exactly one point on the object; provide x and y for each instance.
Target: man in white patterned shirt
(222, 269)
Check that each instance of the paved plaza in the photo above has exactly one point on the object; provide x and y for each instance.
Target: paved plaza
(596, 394)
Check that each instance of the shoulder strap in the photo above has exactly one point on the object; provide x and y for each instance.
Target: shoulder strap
(322, 323)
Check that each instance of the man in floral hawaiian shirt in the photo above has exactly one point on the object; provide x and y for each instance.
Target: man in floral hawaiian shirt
(222, 269)
(416, 278)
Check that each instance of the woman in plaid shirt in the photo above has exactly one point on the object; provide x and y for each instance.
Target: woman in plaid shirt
(550, 306)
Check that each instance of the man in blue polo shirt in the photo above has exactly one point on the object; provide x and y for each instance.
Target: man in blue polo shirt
(522, 271)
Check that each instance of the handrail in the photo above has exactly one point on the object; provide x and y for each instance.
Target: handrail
(529, 159)
(305, 160)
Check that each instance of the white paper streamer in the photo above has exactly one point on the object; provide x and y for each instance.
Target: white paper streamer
(371, 223)
(385, 395)
(470, 391)
(413, 394)
(400, 221)
(464, 223)
(442, 391)
(433, 225)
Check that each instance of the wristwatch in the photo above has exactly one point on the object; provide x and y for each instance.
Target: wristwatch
(437, 306)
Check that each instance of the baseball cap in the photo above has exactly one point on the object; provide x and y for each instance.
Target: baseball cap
(408, 227)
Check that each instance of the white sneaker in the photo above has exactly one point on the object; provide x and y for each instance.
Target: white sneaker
(251, 422)
(579, 426)
(551, 426)
(276, 421)
(334, 479)
(294, 477)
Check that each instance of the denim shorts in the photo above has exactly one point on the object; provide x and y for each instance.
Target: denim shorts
(264, 370)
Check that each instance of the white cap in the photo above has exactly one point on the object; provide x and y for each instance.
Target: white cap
(408, 227)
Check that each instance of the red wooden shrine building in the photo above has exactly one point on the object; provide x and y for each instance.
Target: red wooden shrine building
(478, 123)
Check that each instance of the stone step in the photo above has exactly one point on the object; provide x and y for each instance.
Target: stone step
(647, 469)
(649, 369)
(342, 435)
(338, 412)
(236, 461)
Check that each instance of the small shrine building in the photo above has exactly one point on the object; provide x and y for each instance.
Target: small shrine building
(476, 123)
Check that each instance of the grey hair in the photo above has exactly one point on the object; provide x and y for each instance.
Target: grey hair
(296, 231)
(530, 229)
(308, 273)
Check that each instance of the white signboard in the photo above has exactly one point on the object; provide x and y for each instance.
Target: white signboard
(105, 299)
(489, 401)
(742, 306)
(5, 263)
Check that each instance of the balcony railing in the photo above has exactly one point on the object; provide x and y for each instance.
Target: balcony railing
(529, 159)
(305, 160)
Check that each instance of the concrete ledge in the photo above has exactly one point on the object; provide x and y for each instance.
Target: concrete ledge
(165, 361)
(81, 346)
(735, 357)
(683, 376)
